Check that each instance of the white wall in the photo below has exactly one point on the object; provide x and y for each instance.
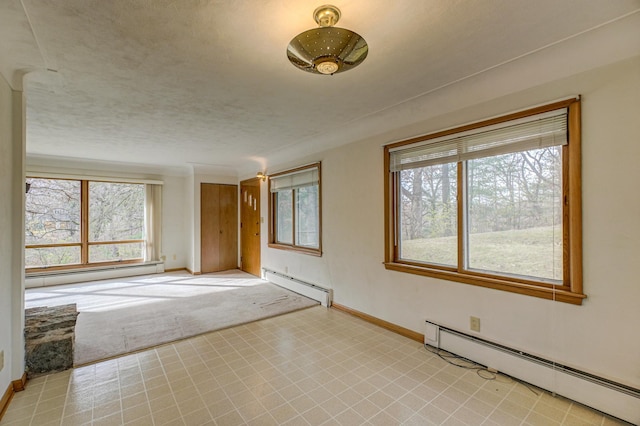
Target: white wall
(601, 336)
(174, 222)
(188, 187)
(12, 236)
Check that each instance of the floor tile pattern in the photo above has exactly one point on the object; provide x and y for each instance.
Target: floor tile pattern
(317, 366)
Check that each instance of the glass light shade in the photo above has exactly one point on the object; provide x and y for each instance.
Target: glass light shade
(327, 67)
(327, 50)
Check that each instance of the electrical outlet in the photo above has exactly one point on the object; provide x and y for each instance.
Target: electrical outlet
(1, 360)
(474, 324)
(174, 257)
(286, 269)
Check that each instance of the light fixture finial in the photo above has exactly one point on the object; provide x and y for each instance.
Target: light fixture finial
(327, 15)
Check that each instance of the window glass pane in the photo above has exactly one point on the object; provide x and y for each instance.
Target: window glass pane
(515, 213)
(115, 252)
(307, 216)
(116, 211)
(428, 214)
(284, 216)
(52, 211)
(51, 256)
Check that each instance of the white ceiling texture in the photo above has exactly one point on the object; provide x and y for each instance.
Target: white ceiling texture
(177, 82)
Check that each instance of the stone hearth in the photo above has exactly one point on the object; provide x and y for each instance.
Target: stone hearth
(49, 338)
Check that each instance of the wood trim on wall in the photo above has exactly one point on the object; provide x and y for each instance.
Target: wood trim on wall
(76, 267)
(381, 323)
(6, 399)
(177, 269)
(84, 222)
(20, 384)
(14, 386)
(575, 197)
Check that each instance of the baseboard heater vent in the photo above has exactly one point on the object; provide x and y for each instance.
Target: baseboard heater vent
(312, 291)
(43, 279)
(613, 398)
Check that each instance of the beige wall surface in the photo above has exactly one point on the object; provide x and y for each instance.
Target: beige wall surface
(598, 337)
(174, 222)
(5, 229)
(11, 234)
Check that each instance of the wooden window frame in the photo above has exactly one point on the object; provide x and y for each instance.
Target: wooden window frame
(570, 290)
(84, 243)
(273, 243)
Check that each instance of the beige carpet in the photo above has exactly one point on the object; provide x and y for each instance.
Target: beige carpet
(123, 316)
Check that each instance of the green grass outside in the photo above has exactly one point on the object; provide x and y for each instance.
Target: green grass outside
(534, 252)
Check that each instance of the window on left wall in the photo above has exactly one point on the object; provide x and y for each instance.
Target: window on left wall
(75, 223)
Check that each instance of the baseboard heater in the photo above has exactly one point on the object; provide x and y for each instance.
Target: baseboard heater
(613, 398)
(312, 291)
(43, 279)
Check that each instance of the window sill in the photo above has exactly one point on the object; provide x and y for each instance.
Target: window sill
(59, 270)
(303, 250)
(559, 295)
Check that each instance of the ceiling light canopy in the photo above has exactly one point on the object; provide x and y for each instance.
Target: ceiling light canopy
(327, 50)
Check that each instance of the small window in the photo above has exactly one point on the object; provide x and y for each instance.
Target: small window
(495, 204)
(295, 220)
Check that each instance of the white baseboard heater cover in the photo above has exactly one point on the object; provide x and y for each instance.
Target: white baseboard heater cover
(312, 291)
(613, 398)
(92, 274)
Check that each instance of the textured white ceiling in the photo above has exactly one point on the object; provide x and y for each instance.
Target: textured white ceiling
(178, 82)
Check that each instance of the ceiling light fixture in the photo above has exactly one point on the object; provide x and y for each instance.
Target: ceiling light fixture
(327, 50)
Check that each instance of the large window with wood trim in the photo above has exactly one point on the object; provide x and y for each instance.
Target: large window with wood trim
(74, 223)
(495, 203)
(295, 210)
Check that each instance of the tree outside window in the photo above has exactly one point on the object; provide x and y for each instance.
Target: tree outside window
(57, 236)
(495, 203)
(295, 208)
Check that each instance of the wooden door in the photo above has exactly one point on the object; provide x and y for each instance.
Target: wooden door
(250, 226)
(218, 227)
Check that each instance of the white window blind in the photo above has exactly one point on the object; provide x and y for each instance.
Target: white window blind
(533, 132)
(70, 176)
(299, 179)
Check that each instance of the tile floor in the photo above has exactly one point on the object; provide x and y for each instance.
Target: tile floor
(312, 367)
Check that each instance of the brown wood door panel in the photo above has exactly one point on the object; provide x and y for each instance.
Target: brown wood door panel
(209, 227)
(218, 227)
(250, 225)
(228, 246)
